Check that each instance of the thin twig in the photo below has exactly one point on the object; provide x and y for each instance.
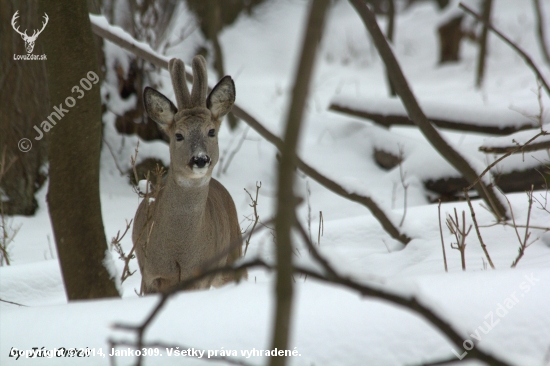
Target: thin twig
(140, 329)
(513, 219)
(401, 119)
(504, 157)
(133, 160)
(330, 272)
(540, 29)
(235, 150)
(235, 243)
(286, 199)
(403, 176)
(114, 157)
(416, 114)
(510, 43)
(460, 234)
(523, 245)
(321, 228)
(441, 233)
(13, 303)
(115, 242)
(409, 303)
(112, 34)
(483, 246)
(254, 206)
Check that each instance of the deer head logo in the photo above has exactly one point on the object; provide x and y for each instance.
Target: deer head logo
(29, 40)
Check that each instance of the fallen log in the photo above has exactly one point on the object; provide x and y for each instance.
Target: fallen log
(390, 112)
(451, 189)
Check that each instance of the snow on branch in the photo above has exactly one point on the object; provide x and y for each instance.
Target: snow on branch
(520, 142)
(417, 115)
(391, 112)
(102, 28)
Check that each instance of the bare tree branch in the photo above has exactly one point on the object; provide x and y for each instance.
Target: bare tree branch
(389, 35)
(417, 115)
(106, 31)
(540, 28)
(286, 199)
(403, 120)
(111, 33)
(523, 244)
(410, 303)
(13, 303)
(333, 277)
(515, 149)
(509, 42)
(441, 234)
(480, 238)
(140, 329)
(518, 149)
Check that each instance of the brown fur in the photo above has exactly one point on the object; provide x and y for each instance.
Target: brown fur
(193, 218)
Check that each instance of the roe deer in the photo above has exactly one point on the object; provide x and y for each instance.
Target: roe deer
(192, 221)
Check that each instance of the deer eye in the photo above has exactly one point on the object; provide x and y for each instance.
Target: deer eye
(212, 133)
(179, 137)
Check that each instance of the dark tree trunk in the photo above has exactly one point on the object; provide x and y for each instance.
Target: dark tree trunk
(24, 100)
(543, 41)
(213, 27)
(487, 5)
(450, 35)
(75, 144)
(389, 35)
(286, 199)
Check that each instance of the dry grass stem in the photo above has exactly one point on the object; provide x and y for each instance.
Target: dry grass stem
(460, 233)
(115, 242)
(403, 177)
(256, 219)
(321, 228)
(442, 241)
(524, 244)
(483, 246)
(510, 43)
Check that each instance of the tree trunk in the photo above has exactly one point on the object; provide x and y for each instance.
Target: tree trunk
(540, 30)
(487, 5)
(450, 35)
(75, 144)
(286, 200)
(389, 36)
(213, 27)
(24, 98)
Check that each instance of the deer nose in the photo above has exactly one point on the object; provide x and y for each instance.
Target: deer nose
(201, 161)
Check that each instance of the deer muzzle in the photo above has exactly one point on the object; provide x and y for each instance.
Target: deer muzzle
(200, 161)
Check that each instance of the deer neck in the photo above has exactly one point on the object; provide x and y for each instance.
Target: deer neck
(185, 199)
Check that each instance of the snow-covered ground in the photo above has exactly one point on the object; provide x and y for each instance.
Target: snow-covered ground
(505, 312)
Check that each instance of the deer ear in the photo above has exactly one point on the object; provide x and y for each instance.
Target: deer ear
(158, 107)
(221, 98)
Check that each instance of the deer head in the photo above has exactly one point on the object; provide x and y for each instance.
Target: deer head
(193, 126)
(29, 40)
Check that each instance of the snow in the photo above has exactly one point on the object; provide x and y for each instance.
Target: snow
(450, 111)
(331, 325)
(520, 137)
